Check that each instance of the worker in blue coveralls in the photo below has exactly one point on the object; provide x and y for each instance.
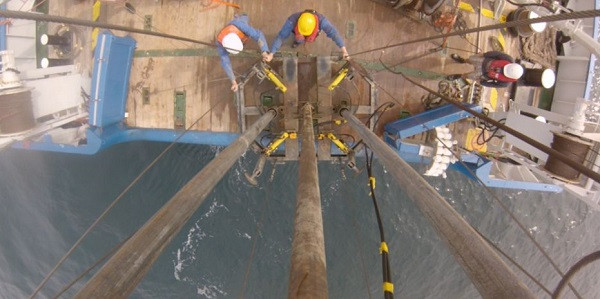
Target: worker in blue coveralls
(306, 26)
(231, 40)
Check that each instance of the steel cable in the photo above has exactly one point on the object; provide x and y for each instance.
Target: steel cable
(536, 281)
(552, 18)
(90, 268)
(79, 22)
(259, 224)
(116, 200)
(584, 261)
(550, 151)
(513, 217)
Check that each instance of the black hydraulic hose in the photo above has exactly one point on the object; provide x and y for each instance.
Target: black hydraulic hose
(552, 18)
(592, 257)
(388, 286)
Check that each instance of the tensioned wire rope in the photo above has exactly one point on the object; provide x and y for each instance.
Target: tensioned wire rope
(552, 18)
(488, 189)
(117, 199)
(157, 33)
(72, 21)
(259, 226)
(116, 247)
(516, 264)
(90, 268)
(544, 148)
(520, 225)
(65, 20)
(86, 23)
(496, 199)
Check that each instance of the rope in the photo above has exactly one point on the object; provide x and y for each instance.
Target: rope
(388, 286)
(551, 18)
(426, 53)
(90, 268)
(592, 257)
(115, 201)
(512, 216)
(258, 226)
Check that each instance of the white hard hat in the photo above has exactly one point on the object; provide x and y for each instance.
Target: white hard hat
(232, 43)
(513, 70)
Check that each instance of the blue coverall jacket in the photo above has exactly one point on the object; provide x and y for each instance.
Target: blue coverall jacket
(241, 22)
(290, 24)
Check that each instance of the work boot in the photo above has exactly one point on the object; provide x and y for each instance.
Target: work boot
(457, 58)
(295, 44)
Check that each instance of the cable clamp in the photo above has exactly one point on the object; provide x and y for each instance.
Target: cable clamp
(372, 182)
(383, 248)
(388, 287)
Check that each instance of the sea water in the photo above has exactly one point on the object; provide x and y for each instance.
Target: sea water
(47, 200)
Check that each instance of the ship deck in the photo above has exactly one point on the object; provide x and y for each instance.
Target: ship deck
(163, 67)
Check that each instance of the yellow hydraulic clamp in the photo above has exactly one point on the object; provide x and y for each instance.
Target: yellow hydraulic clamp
(272, 147)
(340, 144)
(344, 149)
(276, 143)
(338, 79)
(344, 72)
(273, 77)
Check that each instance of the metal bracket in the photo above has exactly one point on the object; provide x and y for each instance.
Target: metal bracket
(261, 70)
(374, 97)
(258, 169)
(266, 153)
